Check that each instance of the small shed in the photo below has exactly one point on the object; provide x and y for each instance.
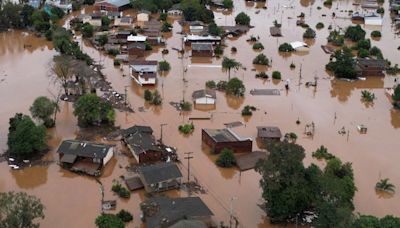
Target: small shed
(204, 97)
(136, 49)
(275, 31)
(202, 49)
(269, 133)
(219, 139)
(143, 16)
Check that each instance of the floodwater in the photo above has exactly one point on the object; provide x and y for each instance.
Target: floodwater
(74, 201)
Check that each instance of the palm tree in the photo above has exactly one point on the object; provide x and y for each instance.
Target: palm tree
(385, 185)
(228, 64)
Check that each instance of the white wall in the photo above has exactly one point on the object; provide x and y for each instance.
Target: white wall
(205, 100)
(109, 155)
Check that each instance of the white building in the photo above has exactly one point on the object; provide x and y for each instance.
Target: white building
(144, 72)
(204, 97)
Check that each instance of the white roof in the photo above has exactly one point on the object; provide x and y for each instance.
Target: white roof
(197, 37)
(196, 27)
(132, 38)
(298, 44)
(144, 68)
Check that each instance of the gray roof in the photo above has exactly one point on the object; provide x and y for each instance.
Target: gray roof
(365, 63)
(172, 210)
(189, 223)
(203, 93)
(202, 46)
(160, 172)
(140, 139)
(144, 65)
(84, 148)
(176, 7)
(137, 45)
(269, 132)
(275, 31)
(221, 135)
(118, 3)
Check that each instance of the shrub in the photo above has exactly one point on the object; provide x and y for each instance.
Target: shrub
(309, 34)
(336, 38)
(186, 106)
(211, 84)
(108, 221)
(285, 47)
(156, 98)
(228, 4)
(320, 25)
(375, 51)
(322, 153)
(290, 137)
(258, 46)
(117, 62)
(235, 87)
(113, 52)
(148, 96)
(376, 34)
(262, 75)
(226, 159)
(221, 85)
(247, 110)
(218, 50)
(355, 33)
(380, 10)
(87, 30)
(363, 53)
(242, 19)
(186, 128)
(164, 66)
(163, 17)
(125, 216)
(120, 190)
(367, 96)
(276, 75)
(396, 97)
(166, 27)
(261, 59)
(364, 44)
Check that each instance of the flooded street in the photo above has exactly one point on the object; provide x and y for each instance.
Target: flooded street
(24, 75)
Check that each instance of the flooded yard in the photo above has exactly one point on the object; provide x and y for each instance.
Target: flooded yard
(72, 200)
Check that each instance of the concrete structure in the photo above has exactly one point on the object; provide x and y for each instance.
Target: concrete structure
(143, 16)
(218, 139)
(112, 5)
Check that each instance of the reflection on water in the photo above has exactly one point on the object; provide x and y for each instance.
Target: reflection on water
(30, 177)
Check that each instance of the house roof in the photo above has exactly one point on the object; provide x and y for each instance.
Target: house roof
(118, 3)
(132, 38)
(83, 148)
(204, 93)
(224, 135)
(137, 45)
(298, 44)
(126, 20)
(202, 46)
(160, 172)
(365, 63)
(275, 31)
(144, 66)
(189, 223)
(140, 139)
(202, 38)
(144, 12)
(176, 7)
(133, 183)
(171, 210)
(268, 132)
(249, 160)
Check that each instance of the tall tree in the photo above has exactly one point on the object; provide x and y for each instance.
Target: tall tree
(20, 210)
(90, 109)
(43, 108)
(229, 64)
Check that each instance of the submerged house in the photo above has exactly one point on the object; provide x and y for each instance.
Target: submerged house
(160, 177)
(204, 97)
(85, 157)
(112, 5)
(299, 46)
(189, 39)
(370, 67)
(202, 50)
(163, 211)
(142, 144)
(136, 50)
(269, 133)
(219, 139)
(144, 72)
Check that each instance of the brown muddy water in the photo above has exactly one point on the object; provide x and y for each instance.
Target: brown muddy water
(74, 201)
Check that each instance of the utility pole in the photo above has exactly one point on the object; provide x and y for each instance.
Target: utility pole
(161, 126)
(231, 211)
(188, 157)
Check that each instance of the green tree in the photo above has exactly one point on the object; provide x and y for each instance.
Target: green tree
(355, 33)
(228, 64)
(285, 47)
(235, 87)
(26, 14)
(125, 216)
(214, 30)
(258, 46)
(19, 209)
(396, 96)
(105, 22)
(286, 189)
(57, 13)
(166, 27)
(109, 221)
(242, 19)
(390, 221)
(43, 108)
(24, 137)
(91, 109)
(157, 100)
(87, 30)
(385, 185)
(309, 33)
(376, 34)
(276, 75)
(148, 96)
(164, 66)
(342, 64)
(228, 4)
(103, 39)
(261, 59)
(226, 158)
(364, 44)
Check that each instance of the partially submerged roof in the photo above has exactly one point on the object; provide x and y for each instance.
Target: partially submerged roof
(144, 65)
(268, 132)
(160, 172)
(204, 93)
(137, 45)
(202, 38)
(140, 139)
(298, 44)
(202, 46)
(275, 31)
(249, 160)
(83, 148)
(224, 135)
(118, 3)
(365, 63)
(134, 183)
(172, 210)
(189, 223)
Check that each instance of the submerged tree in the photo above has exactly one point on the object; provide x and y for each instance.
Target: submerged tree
(385, 185)
(91, 109)
(226, 158)
(235, 87)
(43, 108)
(108, 221)
(25, 139)
(19, 209)
(342, 64)
(228, 64)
